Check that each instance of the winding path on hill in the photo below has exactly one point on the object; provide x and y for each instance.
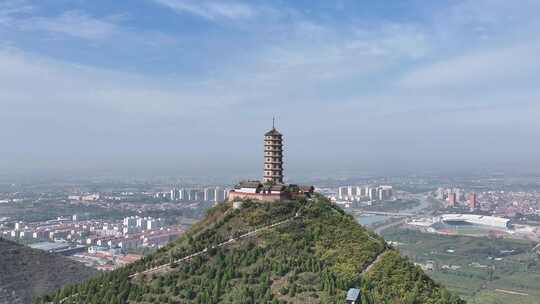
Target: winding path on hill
(233, 240)
(248, 234)
(377, 260)
(191, 256)
(222, 244)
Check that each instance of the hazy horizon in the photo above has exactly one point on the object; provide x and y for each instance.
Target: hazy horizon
(189, 87)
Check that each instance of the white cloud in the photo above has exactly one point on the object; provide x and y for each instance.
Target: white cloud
(310, 66)
(22, 20)
(285, 75)
(392, 40)
(505, 67)
(62, 86)
(212, 9)
(490, 13)
(10, 10)
(19, 15)
(72, 23)
(342, 74)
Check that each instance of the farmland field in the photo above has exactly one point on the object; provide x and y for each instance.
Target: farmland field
(480, 269)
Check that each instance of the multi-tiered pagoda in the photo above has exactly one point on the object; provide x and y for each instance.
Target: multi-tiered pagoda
(273, 157)
(272, 188)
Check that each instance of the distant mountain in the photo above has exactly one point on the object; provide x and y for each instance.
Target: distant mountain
(303, 251)
(27, 273)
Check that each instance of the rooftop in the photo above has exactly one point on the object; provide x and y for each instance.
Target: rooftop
(249, 184)
(353, 294)
(48, 246)
(273, 132)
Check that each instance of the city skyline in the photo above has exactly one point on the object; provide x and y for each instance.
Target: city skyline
(381, 88)
(269, 151)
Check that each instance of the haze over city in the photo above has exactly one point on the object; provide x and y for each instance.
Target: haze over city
(187, 87)
(269, 151)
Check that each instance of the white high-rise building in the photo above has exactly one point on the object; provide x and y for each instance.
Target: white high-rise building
(441, 192)
(360, 191)
(226, 193)
(193, 195)
(351, 192)
(153, 224)
(175, 195)
(220, 194)
(372, 193)
(142, 222)
(184, 195)
(209, 194)
(130, 222)
(380, 194)
(342, 193)
(385, 192)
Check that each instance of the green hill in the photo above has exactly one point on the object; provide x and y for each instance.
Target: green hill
(26, 273)
(305, 251)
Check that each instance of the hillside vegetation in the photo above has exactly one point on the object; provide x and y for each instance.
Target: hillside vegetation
(26, 273)
(314, 256)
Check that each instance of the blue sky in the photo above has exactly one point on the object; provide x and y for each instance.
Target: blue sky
(187, 87)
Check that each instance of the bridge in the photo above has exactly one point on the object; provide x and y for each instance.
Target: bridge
(392, 214)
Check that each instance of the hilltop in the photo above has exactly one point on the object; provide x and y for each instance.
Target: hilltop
(26, 273)
(302, 251)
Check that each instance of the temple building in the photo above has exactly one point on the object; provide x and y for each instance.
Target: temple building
(272, 187)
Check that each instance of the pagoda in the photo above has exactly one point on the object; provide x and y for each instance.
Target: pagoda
(272, 187)
(273, 156)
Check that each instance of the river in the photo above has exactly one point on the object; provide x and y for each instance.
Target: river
(368, 220)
